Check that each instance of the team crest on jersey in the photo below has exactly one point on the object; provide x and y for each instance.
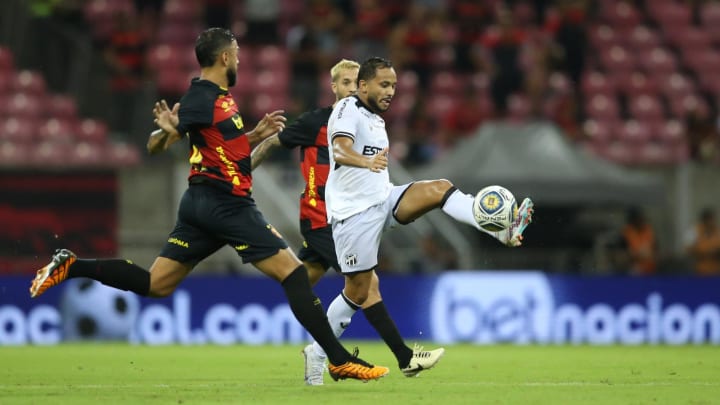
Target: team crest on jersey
(351, 259)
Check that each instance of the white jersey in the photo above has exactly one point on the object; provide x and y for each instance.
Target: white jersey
(350, 190)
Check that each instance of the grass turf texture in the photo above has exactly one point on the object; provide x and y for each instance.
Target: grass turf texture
(119, 373)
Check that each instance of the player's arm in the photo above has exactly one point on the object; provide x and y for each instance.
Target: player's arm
(160, 141)
(263, 150)
(271, 124)
(344, 154)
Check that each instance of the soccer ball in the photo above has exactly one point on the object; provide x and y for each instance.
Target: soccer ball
(494, 208)
(93, 311)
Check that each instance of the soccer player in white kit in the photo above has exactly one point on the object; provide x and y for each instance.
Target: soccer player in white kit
(362, 203)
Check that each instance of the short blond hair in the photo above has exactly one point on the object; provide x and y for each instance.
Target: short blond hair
(343, 64)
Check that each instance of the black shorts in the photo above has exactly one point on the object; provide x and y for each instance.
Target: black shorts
(318, 247)
(209, 218)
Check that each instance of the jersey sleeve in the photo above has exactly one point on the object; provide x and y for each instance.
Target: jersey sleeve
(301, 132)
(345, 119)
(196, 111)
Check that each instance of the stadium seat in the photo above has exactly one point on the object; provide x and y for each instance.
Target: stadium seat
(56, 131)
(669, 13)
(272, 57)
(677, 85)
(635, 132)
(23, 105)
(178, 34)
(670, 132)
(602, 107)
(445, 82)
(181, 11)
(92, 131)
(49, 153)
(600, 131)
(620, 13)
(519, 108)
(87, 154)
(595, 82)
(271, 81)
(438, 106)
(407, 82)
(603, 37)
(14, 154)
(635, 83)
(266, 103)
(121, 155)
(7, 61)
(688, 37)
(481, 82)
(642, 38)
(18, 130)
(29, 81)
(682, 105)
(617, 59)
(645, 107)
(62, 106)
(559, 83)
(657, 60)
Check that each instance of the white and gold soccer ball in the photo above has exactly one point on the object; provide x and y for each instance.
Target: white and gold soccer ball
(494, 208)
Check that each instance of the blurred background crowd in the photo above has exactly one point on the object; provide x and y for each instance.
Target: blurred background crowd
(630, 82)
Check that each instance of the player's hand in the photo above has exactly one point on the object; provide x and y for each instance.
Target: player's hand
(165, 118)
(379, 162)
(271, 123)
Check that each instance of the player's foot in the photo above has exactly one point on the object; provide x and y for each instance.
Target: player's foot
(513, 235)
(422, 360)
(314, 366)
(53, 273)
(357, 369)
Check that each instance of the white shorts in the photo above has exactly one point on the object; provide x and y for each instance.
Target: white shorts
(357, 239)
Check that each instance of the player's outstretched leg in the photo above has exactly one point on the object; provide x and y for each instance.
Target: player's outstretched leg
(314, 366)
(522, 220)
(422, 360)
(53, 273)
(357, 369)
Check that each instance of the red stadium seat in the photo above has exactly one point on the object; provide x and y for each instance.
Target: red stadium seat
(646, 107)
(121, 155)
(56, 131)
(481, 82)
(178, 34)
(519, 108)
(271, 81)
(602, 107)
(682, 105)
(620, 13)
(688, 37)
(181, 11)
(445, 82)
(14, 154)
(272, 57)
(657, 60)
(49, 153)
(266, 103)
(600, 131)
(62, 106)
(642, 38)
(633, 131)
(29, 81)
(438, 106)
(670, 132)
(87, 154)
(407, 82)
(669, 13)
(18, 130)
(92, 131)
(594, 82)
(677, 85)
(635, 83)
(24, 105)
(559, 83)
(616, 58)
(7, 61)
(603, 37)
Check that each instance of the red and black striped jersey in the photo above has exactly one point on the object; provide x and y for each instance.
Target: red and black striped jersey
(219, 148)
(309, 132)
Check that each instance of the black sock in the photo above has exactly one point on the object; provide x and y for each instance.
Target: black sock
(117, 273)
(379, 318)
(309, 312)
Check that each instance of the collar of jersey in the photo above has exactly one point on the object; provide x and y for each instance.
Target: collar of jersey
(363, 105)
(207, 83)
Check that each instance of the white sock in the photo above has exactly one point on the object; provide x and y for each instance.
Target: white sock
(339, 315)
(460, 207)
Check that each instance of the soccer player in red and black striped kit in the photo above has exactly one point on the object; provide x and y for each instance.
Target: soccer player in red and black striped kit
(217, 208)
(309, 132)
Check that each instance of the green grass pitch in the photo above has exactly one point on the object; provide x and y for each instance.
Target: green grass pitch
(121, 373)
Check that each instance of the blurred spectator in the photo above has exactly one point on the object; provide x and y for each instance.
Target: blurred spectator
(463, 119)
(702, 135)
(125, 58)
(305, 65)
(261, 19)
(325, 20)
(372, 28)
(499, 56)
(571, 35)
(703, 244)
(421, 128)
(148, 12)
(413, 40)
(637, 246)
(470, 18)
(217, 13)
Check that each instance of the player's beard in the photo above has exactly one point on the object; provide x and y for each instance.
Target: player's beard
(231, 76)
(375, 106)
